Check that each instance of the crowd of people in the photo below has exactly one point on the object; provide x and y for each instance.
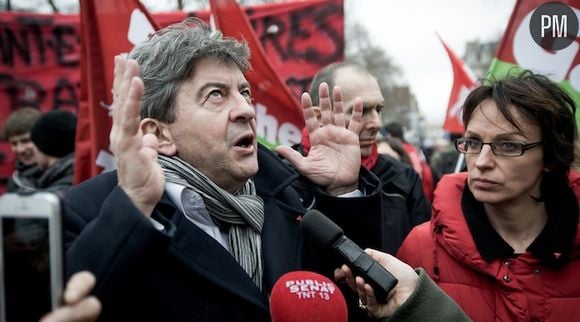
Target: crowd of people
(44, 148)
(199, 220)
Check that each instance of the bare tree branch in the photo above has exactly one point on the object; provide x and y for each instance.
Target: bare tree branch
(361, 50)
(53, 6)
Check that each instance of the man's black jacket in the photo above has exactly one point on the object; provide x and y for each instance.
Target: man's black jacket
(181, 273)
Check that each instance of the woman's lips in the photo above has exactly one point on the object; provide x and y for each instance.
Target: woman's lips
(483, 184)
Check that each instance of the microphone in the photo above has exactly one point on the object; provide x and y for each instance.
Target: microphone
(326, 234)
(303, 296)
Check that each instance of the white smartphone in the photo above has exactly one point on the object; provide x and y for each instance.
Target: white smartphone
(31, 256)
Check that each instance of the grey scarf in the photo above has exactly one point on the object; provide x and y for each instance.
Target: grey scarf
(242, 213)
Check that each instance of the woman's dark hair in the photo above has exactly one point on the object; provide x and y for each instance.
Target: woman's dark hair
(542, 103)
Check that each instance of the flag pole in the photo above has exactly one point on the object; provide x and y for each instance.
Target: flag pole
(459, 164)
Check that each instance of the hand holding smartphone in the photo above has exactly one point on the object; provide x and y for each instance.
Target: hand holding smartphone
(31, 256)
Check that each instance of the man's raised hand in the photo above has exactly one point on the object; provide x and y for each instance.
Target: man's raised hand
(334, 157)
(140, 176)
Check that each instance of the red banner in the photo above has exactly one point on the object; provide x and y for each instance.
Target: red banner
(131, 20)
(463, 83)
(271, 96)
(39, 67)
(40, 54)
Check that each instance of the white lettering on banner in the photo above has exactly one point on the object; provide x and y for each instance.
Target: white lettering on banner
(309, 289)
(554, 64)
(139, 27)
(267, 127)
(106, 161)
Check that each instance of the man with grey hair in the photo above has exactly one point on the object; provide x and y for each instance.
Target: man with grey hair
(404, 203)
(199, 221)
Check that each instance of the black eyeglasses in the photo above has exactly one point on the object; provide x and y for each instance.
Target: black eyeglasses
(503, 148)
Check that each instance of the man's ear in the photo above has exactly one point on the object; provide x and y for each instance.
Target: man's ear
(166, 145)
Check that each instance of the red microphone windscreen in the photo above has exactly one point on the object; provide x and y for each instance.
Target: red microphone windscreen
(307, 297)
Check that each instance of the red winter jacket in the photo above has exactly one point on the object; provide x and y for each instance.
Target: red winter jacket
(510, 289)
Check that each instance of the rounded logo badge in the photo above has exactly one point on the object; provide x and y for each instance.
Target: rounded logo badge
(554, 26)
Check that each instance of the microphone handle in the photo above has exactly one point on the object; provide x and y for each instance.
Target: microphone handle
(366, 267)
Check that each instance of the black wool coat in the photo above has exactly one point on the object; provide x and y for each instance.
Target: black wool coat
(183, 274)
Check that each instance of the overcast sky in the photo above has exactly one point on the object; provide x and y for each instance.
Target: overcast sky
(406, 30)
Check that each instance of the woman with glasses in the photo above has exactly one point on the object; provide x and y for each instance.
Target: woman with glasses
(504, 239)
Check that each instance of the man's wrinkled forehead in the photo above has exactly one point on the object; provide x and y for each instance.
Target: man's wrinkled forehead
(357, 83)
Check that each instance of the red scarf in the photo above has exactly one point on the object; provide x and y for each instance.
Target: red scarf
(367, 162)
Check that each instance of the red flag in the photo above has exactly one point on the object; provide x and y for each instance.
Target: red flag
(107, 29)
(518, 51)
(42, 57)
(463, 83)
(278, 112)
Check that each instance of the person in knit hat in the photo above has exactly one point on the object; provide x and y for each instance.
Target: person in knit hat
(53, 136)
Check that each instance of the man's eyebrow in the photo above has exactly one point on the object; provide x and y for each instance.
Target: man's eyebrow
(244, 85)
(220, 85)
(201, 91)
